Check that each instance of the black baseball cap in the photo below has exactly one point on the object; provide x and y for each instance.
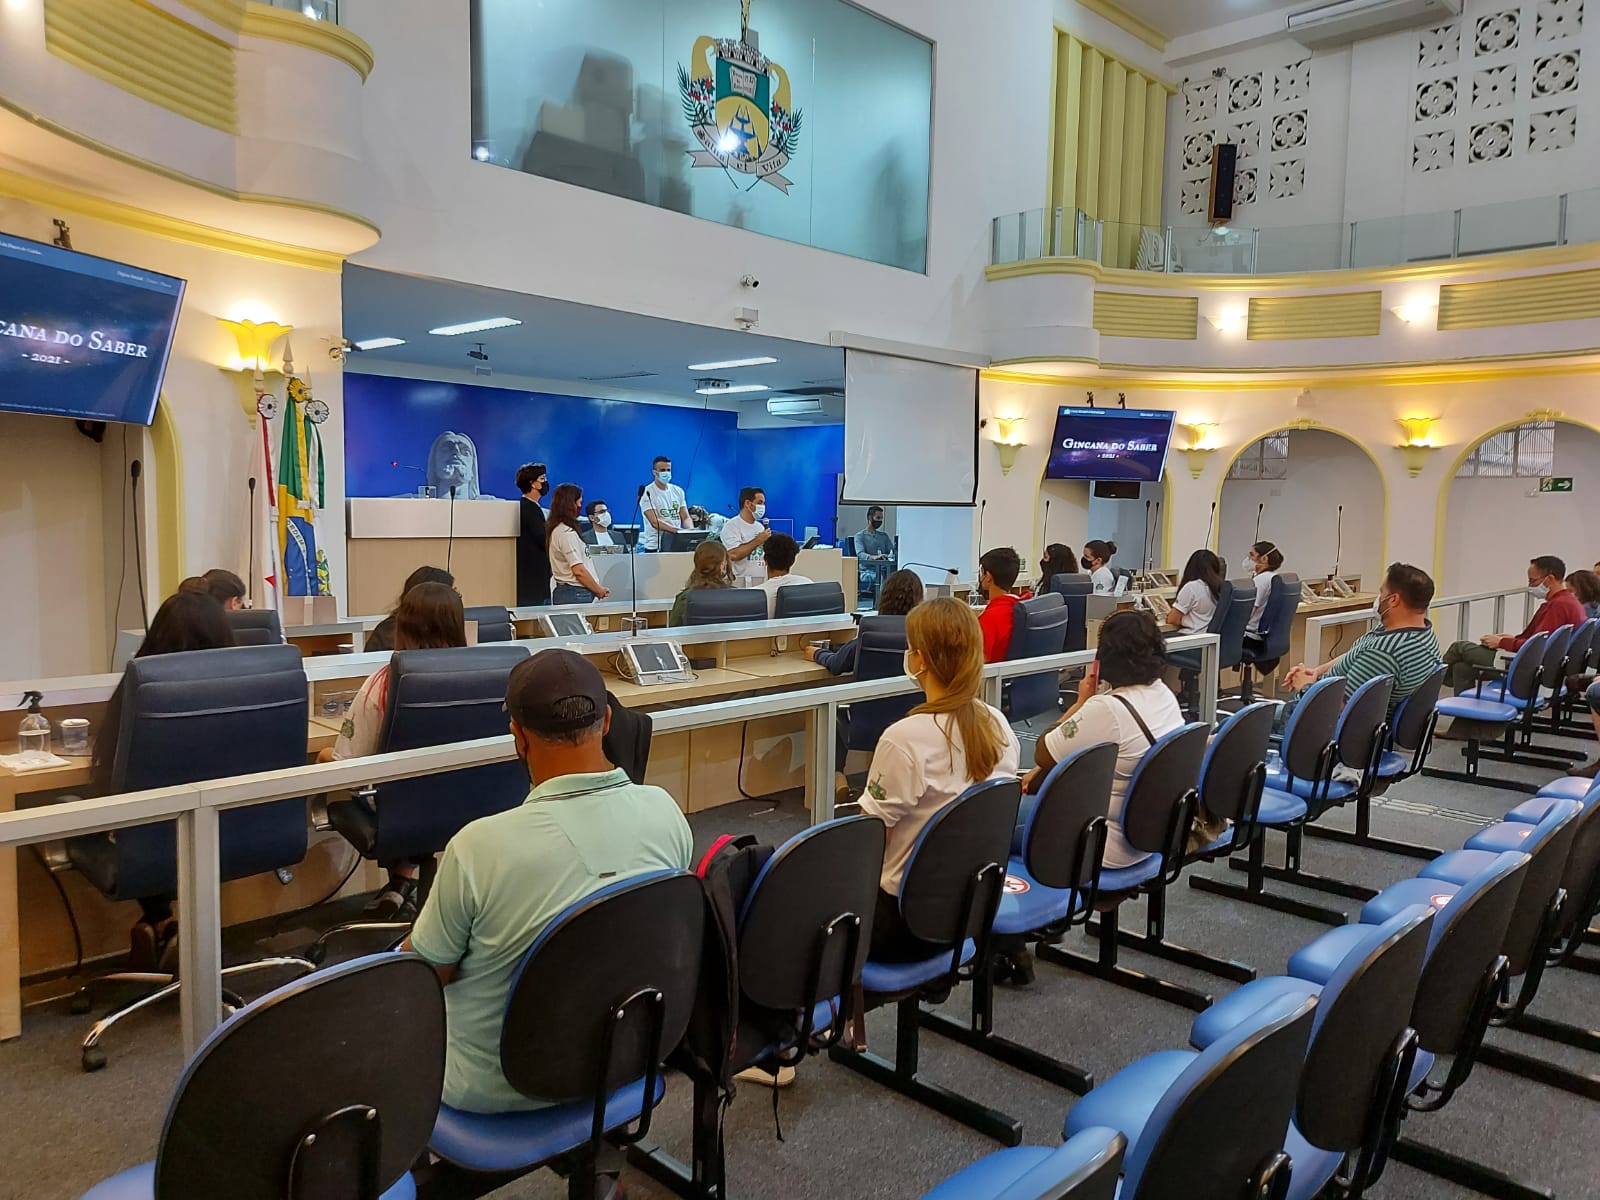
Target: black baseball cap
(540, 683)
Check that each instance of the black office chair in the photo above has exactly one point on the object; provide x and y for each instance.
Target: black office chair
(435, 697)
(880, 654)
(255, 626)
(494, 623)
(808, 600)
(1038, 628)
(188, 717)
(603, 995)
(714, 606)
(1274, 630)
(1075, 590)
(283, 1101)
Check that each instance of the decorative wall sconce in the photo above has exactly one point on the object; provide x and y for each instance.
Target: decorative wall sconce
(1009, 442)
(1227, 322)
(1418, 443)
(255, 342)
(1201, 435)
(1414, 312)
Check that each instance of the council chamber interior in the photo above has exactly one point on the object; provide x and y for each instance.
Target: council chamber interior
(883, 598)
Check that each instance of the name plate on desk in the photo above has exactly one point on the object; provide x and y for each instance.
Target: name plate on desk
(411, 517)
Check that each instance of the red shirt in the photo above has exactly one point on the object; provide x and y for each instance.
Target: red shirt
(1564, 608)
(995, 620)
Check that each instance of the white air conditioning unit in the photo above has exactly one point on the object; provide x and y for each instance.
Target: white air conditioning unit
(793, 406)
(1343, 22)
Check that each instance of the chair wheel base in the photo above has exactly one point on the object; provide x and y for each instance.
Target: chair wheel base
(79, 1004)
(93, 1058)
(316, 953)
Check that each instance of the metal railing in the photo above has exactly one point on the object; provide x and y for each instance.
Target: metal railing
(196, 807)
(1316, 627)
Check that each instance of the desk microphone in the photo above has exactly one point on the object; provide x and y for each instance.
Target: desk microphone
(1260, 508)
(1044, 538)
(1144, 565)
(250, 563)
(952, 572)
(983, 506)
(1338, 545)
(1211, 524)
(135, 469)
(637, 520)
(1155, 535)
(450, 542)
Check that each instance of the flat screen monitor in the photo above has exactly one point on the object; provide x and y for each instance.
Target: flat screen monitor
(1110, 443)
(81, 336)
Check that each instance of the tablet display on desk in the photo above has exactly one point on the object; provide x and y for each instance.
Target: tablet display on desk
(655, 658)
(565, 624)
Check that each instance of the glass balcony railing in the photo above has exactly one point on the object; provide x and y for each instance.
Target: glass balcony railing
(1565, 220)
(317, 10)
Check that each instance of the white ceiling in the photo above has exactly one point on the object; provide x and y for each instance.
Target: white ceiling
(564, 342)
(1175, 18)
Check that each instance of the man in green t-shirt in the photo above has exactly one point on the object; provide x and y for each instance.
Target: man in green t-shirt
(502, 879)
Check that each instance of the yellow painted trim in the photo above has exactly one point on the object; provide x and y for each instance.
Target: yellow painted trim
(1124, 20)
(297, 29)
(167, 459)
(1523, 300)
(1303, 425)
(165, 172)
(1523, 366)
(1323, 315)
(1132, 314)
(150, 53)
(1511, 260)
(50, 195)
(1443, 504)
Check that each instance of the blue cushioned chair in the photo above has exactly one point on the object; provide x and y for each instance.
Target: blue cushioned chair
(282, 1103)
(1085, 1167)
(1554, 667)
(1580, 653)
(1274, 630)
(436, 697)
(809, 600)
(1052, 881)
(1308, 755)
(1208, 1125)
(1038, 628)
(1075, 591)
(1517, 695)
(188, 717)
(880, 654)
(1156, 817)
(1235, 602)
(255, 626)
(1363, 1057)
(714, 606)
(600, 998)
(949, 894)
(494, 623)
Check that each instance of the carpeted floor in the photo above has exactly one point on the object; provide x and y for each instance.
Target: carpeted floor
(62, 1130)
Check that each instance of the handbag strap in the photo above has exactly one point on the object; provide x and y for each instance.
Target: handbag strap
(1137, 719)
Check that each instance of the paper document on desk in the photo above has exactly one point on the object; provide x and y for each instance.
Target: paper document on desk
(32, 760)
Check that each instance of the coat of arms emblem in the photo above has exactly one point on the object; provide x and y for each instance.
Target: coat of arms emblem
(737, 102)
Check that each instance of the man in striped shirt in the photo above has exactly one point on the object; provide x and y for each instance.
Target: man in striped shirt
(1405, 648)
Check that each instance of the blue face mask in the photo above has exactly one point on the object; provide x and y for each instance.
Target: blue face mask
(761, 511)
(663, 476)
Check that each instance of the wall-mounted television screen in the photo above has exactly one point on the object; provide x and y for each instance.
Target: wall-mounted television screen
(1110, 443)
(82, 336)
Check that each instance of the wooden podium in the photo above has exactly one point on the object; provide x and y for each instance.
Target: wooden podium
(388, 538)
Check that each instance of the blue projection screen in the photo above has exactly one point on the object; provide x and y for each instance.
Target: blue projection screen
(1127, 445)
(82, 336)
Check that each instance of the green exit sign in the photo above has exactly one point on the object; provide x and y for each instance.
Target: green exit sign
(1555, 483)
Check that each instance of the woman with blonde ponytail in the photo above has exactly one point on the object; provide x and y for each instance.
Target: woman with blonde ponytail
(946, 744)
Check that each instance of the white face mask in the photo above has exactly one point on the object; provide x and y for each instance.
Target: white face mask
(603, 519)
(905, 664)
(663, 476)
(1539, 590)
(761, 511)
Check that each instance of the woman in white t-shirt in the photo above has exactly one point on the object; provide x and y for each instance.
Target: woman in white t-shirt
(1196, 601)
(571, 581)
(1265, 560)
(949, 742)
(1097, 556)
(1134, 714)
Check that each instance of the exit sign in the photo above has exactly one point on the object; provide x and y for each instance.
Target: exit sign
(1555, 483)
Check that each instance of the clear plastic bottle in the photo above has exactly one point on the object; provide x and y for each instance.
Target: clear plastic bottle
(33, 734)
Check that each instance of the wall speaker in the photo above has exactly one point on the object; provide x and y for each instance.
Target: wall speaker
(1116, 489)
(1224, 159)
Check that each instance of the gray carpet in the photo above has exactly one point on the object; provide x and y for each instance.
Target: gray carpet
(62, 1130)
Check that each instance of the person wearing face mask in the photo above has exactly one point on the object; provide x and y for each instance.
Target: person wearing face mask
(1096, 560)
(533, 553)
(599, 531)
(745, 538)
(1546, 581)
(664, 507)
(946, 744)
(1058, 560)
(997, 575)
(1403, 647)
(874, 552)
(1265, 560)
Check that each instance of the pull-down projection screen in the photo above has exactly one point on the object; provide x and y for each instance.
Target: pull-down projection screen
(910, 431)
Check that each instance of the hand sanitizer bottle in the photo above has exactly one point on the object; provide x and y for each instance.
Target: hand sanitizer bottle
(33, 734)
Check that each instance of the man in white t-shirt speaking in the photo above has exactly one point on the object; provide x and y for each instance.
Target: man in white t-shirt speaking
(664, 507)
(744, 537)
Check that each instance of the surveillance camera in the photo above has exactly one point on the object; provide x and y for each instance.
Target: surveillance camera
(749, 281)
(339, 347)
(480, 354)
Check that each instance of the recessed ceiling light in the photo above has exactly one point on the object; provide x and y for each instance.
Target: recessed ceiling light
(732, 362)
(729, 390)
(476, 326)
(382, 343)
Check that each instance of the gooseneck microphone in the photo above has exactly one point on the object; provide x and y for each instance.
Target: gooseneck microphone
(450, 541)
(1211, 523)
(1155, 535)
(135, 469)
(1144, 553)
(1260, 508)
(637, 520)
(1044, 538)
(1338, 544)
(250, 564)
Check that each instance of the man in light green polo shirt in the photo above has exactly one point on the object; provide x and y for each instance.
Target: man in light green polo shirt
(503, 878)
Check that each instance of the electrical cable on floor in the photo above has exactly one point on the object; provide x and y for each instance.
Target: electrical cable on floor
(66, 903)
(277, 925)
